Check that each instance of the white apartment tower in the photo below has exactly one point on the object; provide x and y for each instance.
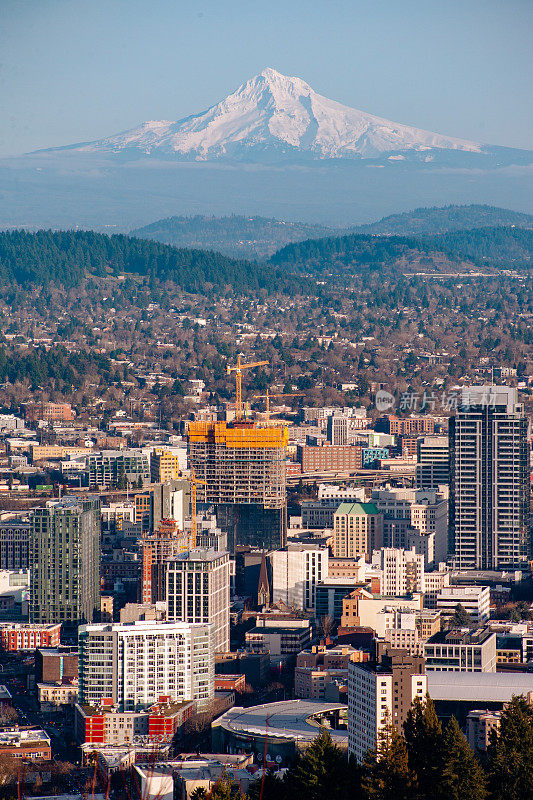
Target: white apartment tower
(402, 571)
(379, 691)
(135, 665)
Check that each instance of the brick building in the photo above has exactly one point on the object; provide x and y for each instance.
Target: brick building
(329, 458)
(104, 725)
(15, 636)
(50, 412)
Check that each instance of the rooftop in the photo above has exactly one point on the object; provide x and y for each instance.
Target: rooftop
(462, 636)
(479, 687)
(21, 738)
(290, 719)
(357, 509)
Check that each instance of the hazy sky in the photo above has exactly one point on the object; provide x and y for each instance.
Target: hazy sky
(74, 70)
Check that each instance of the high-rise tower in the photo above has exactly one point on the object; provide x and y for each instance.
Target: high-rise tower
(65, 561)
(489, 480)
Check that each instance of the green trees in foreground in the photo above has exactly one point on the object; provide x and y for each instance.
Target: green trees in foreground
(428, 762)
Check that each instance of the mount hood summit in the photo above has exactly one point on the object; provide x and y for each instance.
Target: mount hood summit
(274, 115)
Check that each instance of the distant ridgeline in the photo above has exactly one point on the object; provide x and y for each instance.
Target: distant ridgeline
(68, 258)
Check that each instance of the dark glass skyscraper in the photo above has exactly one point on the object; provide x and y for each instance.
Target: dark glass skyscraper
(489, 480)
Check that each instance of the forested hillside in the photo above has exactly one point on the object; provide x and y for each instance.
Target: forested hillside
(510, 248)
(430, 221)
(68, 257)
(362, 254)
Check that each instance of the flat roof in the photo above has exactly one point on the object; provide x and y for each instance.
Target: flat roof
(289, 719)
(489, 687)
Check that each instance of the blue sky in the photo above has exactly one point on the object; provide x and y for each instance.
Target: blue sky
(73, 70)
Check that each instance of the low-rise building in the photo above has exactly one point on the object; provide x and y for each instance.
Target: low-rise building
(320, 669)
(280, 638)
(60, 693)
(329, 458)
(230, 683)
(56, 664)
(15, 636)
(461, 651)
(33, 745)
(106, 725)
(474, 599)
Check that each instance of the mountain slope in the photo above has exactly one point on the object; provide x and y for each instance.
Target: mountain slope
(275, 114)
(236, 236)
(428, 221)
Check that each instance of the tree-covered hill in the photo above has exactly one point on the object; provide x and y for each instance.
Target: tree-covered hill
(489, 249)
(430, 221)
(67, 257)
(503, 248)
(236, 236)
(363, 253)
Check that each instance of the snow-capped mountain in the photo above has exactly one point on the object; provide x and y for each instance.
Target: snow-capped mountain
(275, 114)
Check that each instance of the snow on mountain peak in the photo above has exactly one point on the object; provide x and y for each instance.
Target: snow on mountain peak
(275, 113)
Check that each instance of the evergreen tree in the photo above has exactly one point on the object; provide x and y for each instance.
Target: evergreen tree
(323, 771)
(386, 773)
(461, 618)
(462, 775)
(423, 737)
(224, 789)
(121, 482)
(267, 787)
(510, 754)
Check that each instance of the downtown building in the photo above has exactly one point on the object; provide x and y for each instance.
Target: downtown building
(197, 591)
(107, 468)
(15, 535)
(296, 570)
(380, 691)
(244, 472)
(133, 666)
(65, 562)
(489, 481)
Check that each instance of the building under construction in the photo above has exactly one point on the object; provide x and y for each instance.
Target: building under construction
(242, 469)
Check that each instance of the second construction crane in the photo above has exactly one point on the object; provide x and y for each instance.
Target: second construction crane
(268, 395)
(237, 369)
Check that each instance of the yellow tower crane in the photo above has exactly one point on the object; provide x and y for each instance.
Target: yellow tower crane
(237, 369)
(193, 483)
(268, 395)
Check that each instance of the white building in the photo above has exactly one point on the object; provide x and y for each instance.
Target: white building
(402, 571)
(475, 599)
(341, 494)
(407, 511)
(377, 692)
(434, 582)
(295, 572)
(134, 665)
(198, 583)
(370, 608)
